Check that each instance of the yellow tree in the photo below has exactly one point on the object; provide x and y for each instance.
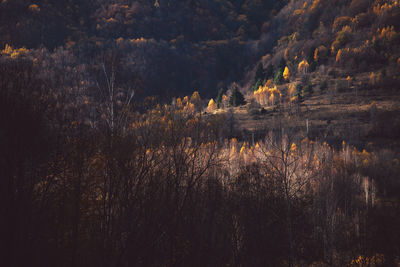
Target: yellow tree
(320, 53)
(195, 99)
(211, 106)
(303, 66)
(286, 73)
(338, 55)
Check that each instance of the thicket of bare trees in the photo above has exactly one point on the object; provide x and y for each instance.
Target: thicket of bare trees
(84, 184)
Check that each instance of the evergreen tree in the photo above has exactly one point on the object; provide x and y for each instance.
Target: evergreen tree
(218, 100)
(299, 93)
(282, 64)
(308, 90)
(237, 98)
(256, 85)
(269, 72)
(278, 78)
(259, 73)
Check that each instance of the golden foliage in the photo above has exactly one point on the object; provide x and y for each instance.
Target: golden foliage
(120, 40)
(286, 73)
(387, 33)
(372, 78)
(338, 55)
(266, 58)
(14, 53)
(286, 54)
(195, 97)
(340, 22)
(293, 147)
(140, 40)
(380, 9)
(303, 66)
(291, 89)
(111, 20)
(266, 95)
(315, 4)
(294, 98)
(298, 12)
(189, 108)
(34, 8)
(375, 260)
(211, 106)
(320, 52)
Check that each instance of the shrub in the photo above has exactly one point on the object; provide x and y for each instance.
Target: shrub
(323, 86)
(341, 86)
(332, 73)
(308, 90)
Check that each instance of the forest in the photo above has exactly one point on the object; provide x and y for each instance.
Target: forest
(199, 133)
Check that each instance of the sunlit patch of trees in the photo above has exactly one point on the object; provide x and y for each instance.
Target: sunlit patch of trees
(267, 94)
(14, 52)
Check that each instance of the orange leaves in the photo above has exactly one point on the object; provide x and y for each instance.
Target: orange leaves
(14, 53)
(316, 55)
(387, 33)
(189, 108)
(7, 50)
(293, 147)
(315, 4)
(140, 40)
(294, 99)
(111, 20)
(338, 55)
(120, 40)
(340, 22)
(379, 9)
(320, 53)
(372, 78)
(195, 97)
(375, 260)
(291, 89)
(303, 66)
(34, 8)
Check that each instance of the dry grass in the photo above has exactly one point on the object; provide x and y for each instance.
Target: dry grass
(345, 116)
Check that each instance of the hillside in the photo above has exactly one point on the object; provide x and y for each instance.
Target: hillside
(199, 133)
(336, 63)
(364, 118)
(171, 48)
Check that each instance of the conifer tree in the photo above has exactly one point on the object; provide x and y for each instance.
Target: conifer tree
(237, 98)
